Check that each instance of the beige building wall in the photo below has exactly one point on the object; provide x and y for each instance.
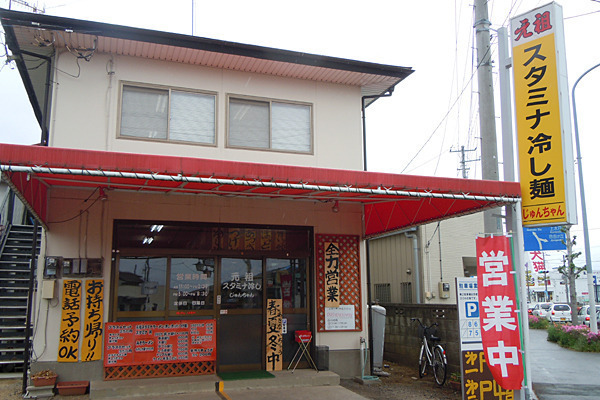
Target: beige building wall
(86, 102)
(90, 236)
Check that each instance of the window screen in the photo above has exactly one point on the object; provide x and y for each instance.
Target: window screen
(192, 117)
(249, 124)
(270, 125)
(144, 112)
(291, 127)
(168, 115)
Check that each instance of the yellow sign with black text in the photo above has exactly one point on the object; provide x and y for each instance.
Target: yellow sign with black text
(543, 118)
(70, 322)
(93, 326)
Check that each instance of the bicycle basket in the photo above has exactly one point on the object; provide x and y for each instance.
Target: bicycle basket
(429, 332)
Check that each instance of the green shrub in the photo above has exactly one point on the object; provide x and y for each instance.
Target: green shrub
(537, 322)
(576, 337)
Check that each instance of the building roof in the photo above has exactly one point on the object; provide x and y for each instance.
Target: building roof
(390, 202)
(34, 38)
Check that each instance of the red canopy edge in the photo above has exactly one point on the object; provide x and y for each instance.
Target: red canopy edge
(391, 201)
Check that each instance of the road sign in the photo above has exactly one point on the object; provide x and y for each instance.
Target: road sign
(544, 238)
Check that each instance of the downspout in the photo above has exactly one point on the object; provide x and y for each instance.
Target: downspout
(387, 93)
(416, 268)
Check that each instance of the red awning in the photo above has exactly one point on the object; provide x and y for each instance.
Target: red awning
(391, 201)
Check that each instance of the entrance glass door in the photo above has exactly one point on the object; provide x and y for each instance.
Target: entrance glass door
(240, 320)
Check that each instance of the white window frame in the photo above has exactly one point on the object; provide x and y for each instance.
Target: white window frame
(269, 102)
(169, 90)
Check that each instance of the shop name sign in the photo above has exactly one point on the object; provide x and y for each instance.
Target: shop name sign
(543, 117)
(498, 306)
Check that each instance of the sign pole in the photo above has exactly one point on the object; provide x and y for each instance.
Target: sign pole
(513, 214)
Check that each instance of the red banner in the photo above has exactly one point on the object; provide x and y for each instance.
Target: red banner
(156, 342)
(497, 311)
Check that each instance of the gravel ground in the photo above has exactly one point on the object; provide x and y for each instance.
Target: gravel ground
(403, 383)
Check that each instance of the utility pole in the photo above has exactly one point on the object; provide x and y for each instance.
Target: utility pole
(463, 162)
(487, 115)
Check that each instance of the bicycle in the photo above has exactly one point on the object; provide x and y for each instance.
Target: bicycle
(431, 354)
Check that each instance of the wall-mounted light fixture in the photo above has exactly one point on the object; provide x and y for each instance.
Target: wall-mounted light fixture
(336, 207)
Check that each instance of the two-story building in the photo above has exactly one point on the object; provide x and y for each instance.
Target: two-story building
(184, 183)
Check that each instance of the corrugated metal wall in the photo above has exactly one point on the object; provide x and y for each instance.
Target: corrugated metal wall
(391, 260)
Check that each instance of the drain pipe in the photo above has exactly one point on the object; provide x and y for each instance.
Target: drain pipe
(387, 93)
(415, 241)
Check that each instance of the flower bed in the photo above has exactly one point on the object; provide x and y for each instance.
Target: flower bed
(576, 337)
(537, 322)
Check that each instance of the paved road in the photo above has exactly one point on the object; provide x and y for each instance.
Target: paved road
(559, 373)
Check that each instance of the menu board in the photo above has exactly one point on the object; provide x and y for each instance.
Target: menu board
(156, 342)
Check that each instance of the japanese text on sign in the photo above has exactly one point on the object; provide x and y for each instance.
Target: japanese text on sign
(498, 317)
(479, 383)
(248, 239)
(91, 345)
(274, 345)
(153, 342)
(543, 151)
(332, 274)
(70, 322)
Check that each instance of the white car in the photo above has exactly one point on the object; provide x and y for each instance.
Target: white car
(583, 315)
(541, 309)
(559, 313)
(587, 321)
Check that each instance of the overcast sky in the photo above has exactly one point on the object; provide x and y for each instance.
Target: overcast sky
(431, 113)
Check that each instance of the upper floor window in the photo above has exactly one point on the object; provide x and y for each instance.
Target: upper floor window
(270, 125)
(167, 114)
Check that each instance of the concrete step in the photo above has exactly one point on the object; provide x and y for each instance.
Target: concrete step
(206, 383)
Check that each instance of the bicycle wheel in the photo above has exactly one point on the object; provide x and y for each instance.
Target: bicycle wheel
(422, 361)
(439, 365)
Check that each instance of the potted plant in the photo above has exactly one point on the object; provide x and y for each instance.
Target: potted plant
(44, 378)
(455, 381)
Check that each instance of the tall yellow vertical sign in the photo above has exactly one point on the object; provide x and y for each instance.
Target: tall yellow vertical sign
(543, 117)
(93, 327)
(274, 345)
(70, 322)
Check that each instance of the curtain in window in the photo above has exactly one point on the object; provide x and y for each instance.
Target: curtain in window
(192, 117)
(248, 124)
(291, 127)
(144, 112)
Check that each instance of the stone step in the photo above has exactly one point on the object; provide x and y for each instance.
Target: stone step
(206, 383)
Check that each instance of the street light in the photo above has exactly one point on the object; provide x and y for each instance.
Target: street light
(588, 255)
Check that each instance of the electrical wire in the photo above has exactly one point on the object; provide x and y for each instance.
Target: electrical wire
(76, 216)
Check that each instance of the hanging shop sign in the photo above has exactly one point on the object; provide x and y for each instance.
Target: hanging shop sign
(477, 380)
(339, 306)
(274, 345)
(543, 117)
(498, 315)
(91, 342)
(70, 322)
(158, 342)
(248, 239)
(332, 274)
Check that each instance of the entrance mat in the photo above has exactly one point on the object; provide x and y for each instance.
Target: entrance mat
(236, 376)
